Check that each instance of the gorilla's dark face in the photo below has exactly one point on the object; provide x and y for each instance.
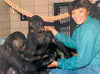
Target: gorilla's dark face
(35, 24)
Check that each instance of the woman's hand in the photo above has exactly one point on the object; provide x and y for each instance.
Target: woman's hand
(53, 64)
(49, 28)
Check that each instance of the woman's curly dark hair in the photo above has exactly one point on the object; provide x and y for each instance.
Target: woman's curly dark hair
(80, 3)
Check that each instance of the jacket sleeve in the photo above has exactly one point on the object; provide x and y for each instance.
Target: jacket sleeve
(67, 41)
(85, 49)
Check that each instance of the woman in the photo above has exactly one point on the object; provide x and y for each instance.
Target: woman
(86, 39)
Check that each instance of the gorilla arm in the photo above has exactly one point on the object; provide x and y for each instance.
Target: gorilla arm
(11, 60)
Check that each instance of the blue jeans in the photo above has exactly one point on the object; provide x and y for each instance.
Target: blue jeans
(89, 69)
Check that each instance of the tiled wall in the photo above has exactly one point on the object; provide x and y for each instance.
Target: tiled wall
(10, 19)
(4, 19)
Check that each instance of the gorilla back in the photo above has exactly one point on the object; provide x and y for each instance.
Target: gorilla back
(10, 60)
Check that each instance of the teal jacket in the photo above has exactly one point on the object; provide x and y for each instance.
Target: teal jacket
(86, 39)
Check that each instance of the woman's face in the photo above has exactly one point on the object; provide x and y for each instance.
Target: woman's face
(80, 15)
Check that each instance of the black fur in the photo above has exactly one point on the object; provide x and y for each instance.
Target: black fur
(10, 60)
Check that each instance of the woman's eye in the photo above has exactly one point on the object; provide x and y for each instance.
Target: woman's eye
(80, 11)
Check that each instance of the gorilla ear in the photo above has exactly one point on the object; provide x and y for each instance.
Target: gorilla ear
(30, 23)
(29, 19)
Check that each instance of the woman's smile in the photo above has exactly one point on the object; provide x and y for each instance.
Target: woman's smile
(80, 15)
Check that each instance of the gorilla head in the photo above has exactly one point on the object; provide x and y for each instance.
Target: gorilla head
(16, 41)
(35, 24)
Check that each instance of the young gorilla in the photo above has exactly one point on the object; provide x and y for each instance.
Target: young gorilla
(41, 48)
(10, 60)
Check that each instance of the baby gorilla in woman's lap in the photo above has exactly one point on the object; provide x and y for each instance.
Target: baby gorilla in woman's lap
(41, 46)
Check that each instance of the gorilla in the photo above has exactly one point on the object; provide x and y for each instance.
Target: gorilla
(10, 60)
(41, 48)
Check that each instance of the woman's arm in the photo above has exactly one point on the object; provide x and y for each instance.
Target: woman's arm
(53, 64)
